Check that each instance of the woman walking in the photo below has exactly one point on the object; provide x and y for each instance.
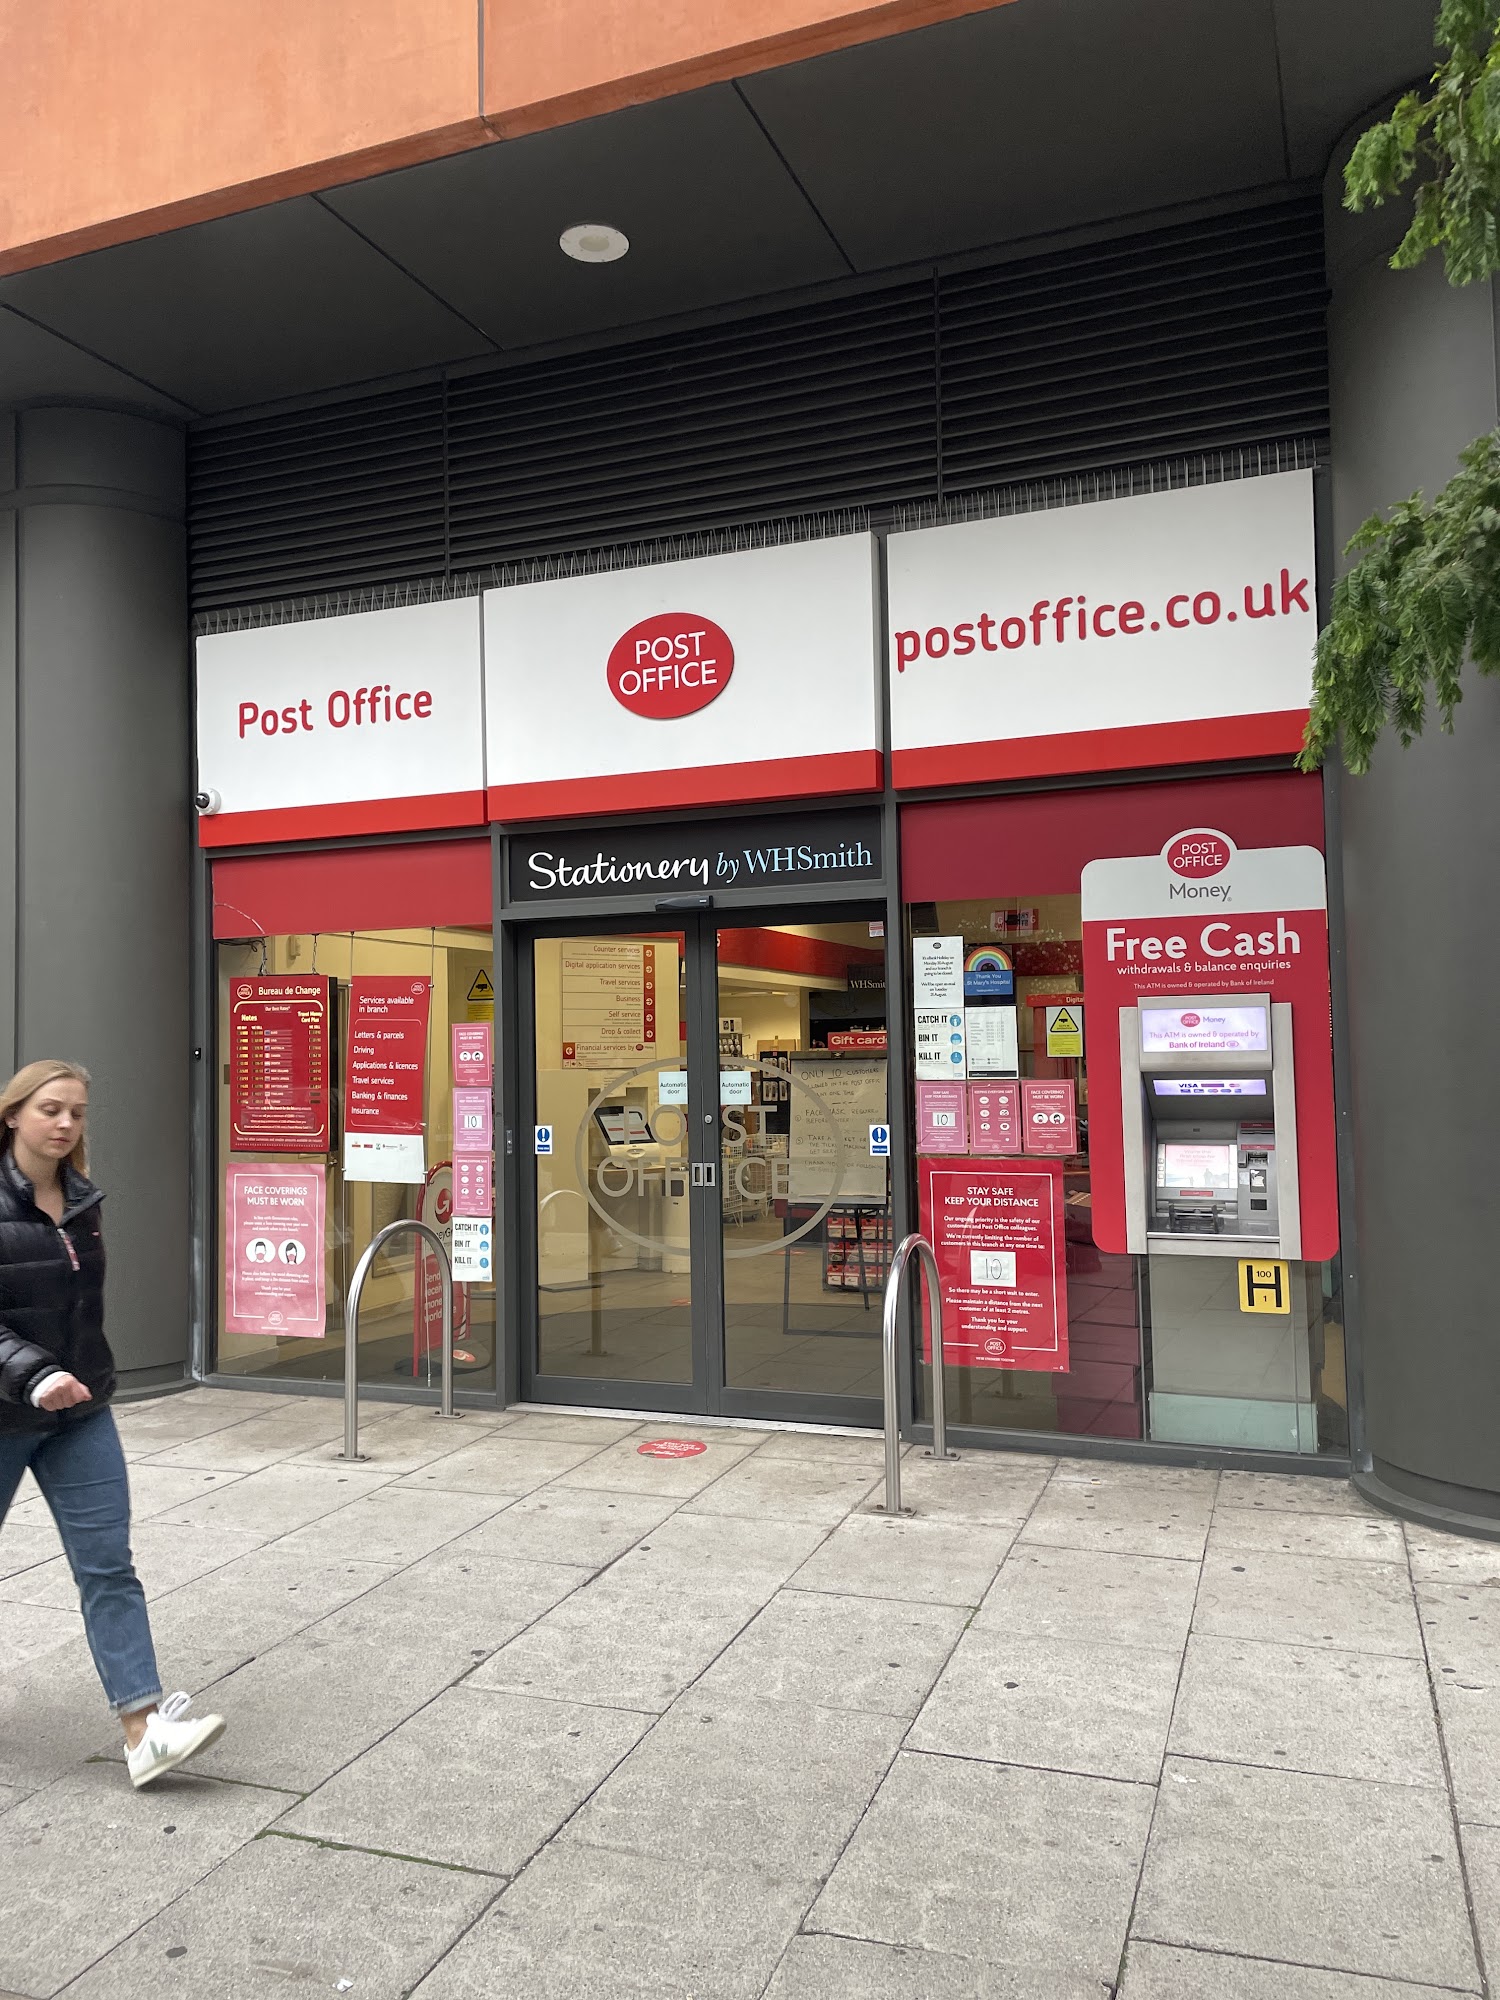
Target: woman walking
(56, 1378)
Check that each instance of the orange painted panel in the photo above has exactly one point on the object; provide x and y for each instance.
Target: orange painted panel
(547, 62)
(111, 109)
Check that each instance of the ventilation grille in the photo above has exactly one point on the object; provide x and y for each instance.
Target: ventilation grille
(1192, 340)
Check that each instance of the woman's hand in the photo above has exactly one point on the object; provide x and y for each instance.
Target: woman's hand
(64, 1394)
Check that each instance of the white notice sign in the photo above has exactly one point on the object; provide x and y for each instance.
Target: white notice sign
(938, 1042)
(937, 968)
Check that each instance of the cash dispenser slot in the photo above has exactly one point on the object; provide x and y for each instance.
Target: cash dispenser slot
(1208, 1100)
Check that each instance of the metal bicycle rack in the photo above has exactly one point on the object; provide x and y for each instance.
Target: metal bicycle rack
(890, 1330)
(351, 1326)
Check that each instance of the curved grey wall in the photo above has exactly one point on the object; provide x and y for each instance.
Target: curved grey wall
(95, 826)
(1414, 380)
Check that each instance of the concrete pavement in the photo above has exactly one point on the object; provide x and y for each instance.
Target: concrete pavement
(519, 1710)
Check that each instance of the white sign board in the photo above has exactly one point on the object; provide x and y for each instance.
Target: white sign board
(830, 1155)
(741, 676)
(370, 723)
(1102, 636)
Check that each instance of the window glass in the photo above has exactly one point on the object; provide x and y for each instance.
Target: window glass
(400, 1309)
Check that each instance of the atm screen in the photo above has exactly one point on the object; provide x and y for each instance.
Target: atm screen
(1194, 1168)
(1208, 1086)
(1205, 1030)
(624, 1125)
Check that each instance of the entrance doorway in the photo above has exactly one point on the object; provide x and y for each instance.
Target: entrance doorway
(709, 1222)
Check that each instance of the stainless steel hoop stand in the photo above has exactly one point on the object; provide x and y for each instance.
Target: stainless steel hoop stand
(351, 1327)
(890, 1333)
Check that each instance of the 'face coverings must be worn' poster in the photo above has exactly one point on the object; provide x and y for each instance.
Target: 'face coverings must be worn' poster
(274, 1251)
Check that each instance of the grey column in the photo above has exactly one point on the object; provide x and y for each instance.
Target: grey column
(95, 827)
(1414, 380)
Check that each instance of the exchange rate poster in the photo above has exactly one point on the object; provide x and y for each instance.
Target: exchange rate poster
(996, 1227)
(279, 1064)
(386, 1079)
(274, 1251)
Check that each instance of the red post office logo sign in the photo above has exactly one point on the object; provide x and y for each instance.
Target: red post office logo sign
(670, 665)
(1199, 853)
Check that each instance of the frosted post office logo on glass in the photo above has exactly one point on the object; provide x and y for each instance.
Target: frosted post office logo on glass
(670, 665)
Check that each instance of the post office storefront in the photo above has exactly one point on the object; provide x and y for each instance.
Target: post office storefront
(679, 936)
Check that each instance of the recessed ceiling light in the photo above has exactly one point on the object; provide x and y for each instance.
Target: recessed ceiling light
(594, 243)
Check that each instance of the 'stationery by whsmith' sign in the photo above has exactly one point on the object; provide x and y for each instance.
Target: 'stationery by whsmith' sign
(826, 849)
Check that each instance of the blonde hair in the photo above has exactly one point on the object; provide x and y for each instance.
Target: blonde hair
(25, 1084)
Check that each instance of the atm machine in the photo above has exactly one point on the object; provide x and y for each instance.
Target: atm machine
(1208, 1098)
(640, 1182)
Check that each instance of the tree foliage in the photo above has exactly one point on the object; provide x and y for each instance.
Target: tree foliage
(1425, 592)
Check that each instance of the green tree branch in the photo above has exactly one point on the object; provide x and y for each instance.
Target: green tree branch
(1423, 595)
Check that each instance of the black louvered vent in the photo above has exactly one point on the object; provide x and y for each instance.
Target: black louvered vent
(787, 413)
(1199, 337)
(328, 499)
(1178, 341)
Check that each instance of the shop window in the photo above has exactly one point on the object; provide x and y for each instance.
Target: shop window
(1150, 1342)
(263, 1331)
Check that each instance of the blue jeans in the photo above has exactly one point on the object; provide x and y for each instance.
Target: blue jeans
(81, 1471)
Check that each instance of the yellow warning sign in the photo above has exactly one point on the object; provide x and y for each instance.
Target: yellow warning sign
(1065, 1030)
(481, 997)
(1265, 1288)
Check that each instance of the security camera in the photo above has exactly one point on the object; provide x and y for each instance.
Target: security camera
(208, 802)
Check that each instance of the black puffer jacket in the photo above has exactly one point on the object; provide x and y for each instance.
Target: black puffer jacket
(51, 1298)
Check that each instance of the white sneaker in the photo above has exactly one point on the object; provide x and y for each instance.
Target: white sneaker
(171, 1737)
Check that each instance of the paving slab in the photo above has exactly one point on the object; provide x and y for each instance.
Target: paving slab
(26, 1545)
(1438, 1558)
(1481, 1847)
(773, 1786)
(1318, 1871)
(1056, 1704)
(302, 1710)
(1124, 1510)
(588, 1923)
(29, 1629)
(273, 1502)
(256, 1441)
(820, 1968)
(156, 1489)
(622, 1643)
(1347, 1537)
(1307, 1708)
(53, 1715)
(1460, 1626)
(918, 1561)
(753, 1557)
(1293, 1493)
(1048, 1593)
(624, 1468)
(838, 1652)
(1165, 1972)
(211, 1626)
(1355, 1607)
(167, 1555)
(171, 1420)
(1010, 1867)
(477, 1779)
(1468, 1701)
(785, 1489)
(868, 1449)
(284, 1916)
(991, 1487)
(86, 1861)
(571, 1430)
(561, 1524)
(399, 1443)
(394, 1524)
(502, 1463)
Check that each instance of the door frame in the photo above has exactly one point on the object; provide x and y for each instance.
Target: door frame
(706, 1394)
